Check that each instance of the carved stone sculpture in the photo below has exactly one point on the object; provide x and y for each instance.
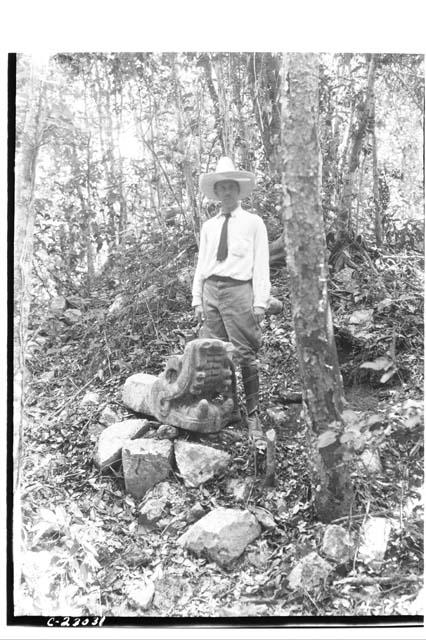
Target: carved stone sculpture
(194, 392)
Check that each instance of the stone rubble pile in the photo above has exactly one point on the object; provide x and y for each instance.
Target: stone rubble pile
(151, 453)
(148, 453)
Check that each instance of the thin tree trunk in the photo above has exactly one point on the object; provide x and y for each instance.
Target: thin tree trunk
(378, 227)
(220, 63)
(25, 171)
(357, 138)
(263, 70)
(306, 262)
(204, 61)
(107, 159)
(359, 198)
(183, 150)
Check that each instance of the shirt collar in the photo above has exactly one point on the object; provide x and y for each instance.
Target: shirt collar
(233, 213)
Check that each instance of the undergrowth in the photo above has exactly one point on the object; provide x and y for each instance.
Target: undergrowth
(83, 529)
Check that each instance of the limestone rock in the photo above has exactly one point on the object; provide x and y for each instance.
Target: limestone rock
(108, 416)
(91, 397)
(152, 510)
(140, 592)
(111, 440)
(166, 431)
(310, 573)
(222, 534)
(198, 463)
(265, 518)
(370, 462)
(137, 392)
(337, 544)
(374, 540)
(145, 463)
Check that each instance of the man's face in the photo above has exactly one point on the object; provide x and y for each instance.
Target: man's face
(228, 192)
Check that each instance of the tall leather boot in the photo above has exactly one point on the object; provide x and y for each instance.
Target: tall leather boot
(250, 374)
(235, 416)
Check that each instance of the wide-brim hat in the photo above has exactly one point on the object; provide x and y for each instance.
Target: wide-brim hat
(225, 170)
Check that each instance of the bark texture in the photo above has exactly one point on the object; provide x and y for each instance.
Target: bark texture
(378, 225)
(25, 170)
(357, 136)
(306, 261)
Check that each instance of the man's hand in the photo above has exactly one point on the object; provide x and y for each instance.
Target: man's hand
(259, 313)
(198, 313)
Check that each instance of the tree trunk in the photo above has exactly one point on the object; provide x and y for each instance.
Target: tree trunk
(357, 137)
(263, 70)
(378, 227)
(220, 63)
(25, 172)
(204, 61)
(359, 198)
(306, 261)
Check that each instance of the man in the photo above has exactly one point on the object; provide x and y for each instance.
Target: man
(231, 282)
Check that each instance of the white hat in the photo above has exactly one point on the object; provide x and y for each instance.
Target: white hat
(225, 170)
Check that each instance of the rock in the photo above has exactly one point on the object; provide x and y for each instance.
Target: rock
(370, 462)
(117, 306)
(374, 540)
(310, 573)
(145, 463)
(152, 510)
(90, 398)
(136, 392)
(239, 489)
(198, 463)
(337, 544)
(58, 304)
(265, 518)
(196, 512)
(108, 416)
(222, 534)
(141, 592)
(111, 440)
(166, 431)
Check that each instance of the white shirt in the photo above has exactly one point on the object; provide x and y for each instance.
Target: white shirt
(248, 254)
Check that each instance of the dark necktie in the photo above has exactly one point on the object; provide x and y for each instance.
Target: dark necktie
(222, 250)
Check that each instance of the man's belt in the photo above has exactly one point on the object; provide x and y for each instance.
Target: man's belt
(230, 281)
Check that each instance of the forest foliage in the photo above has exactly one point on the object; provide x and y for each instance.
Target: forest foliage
(117, 211)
